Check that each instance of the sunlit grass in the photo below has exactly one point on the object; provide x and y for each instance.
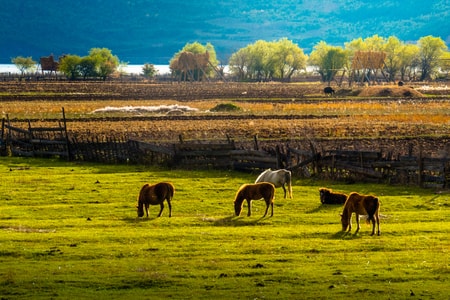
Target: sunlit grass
(69, 230)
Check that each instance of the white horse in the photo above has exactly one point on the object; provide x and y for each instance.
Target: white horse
(278, 178)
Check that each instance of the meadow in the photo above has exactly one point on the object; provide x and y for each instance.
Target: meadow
(70, 230)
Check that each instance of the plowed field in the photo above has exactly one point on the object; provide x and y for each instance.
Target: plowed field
(388, 118)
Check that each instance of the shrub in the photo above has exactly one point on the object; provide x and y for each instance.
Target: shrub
(225, 107)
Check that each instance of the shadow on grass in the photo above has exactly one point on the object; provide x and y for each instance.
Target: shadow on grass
(234, 221)
(140, 220)
(324, 207)
(345, 235)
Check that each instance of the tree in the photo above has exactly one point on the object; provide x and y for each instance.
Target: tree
(393, 48)
(105, 62)
(267, 60)
(149, 70)
(328, 59)
(409, 61)
(87, 67)
(445, 63)
(374, 43)
(70, 66)
(259, 67)
(24, 64)
(431, 50)
(100, 62)
(288, 58)
(238, 63)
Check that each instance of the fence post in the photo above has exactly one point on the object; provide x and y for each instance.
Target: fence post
(420, 167)
(255, 138)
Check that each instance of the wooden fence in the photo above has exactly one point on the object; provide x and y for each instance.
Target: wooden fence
(35, 141)
(333, 164)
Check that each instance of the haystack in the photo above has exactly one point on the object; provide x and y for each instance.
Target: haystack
(390, 91)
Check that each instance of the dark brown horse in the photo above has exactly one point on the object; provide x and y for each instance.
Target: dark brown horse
(255, 191)
(361, 205)
(154, 195)
(327, 196)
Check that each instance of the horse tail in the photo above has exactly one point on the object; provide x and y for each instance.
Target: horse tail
(373, 211)
(171, 190)
(272, 192)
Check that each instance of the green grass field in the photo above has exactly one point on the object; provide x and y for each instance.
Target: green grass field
(70, 231)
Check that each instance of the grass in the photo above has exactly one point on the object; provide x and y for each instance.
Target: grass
(70, 230)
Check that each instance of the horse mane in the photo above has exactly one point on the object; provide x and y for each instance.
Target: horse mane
(262, 175)
(142, 194)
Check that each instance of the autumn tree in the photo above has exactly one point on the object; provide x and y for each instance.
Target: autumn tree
(393, 47)
(24, 64)
(267, 60)
(99, 63)
(431, 50)
(287, 59)
(328, 60)
(70, 66)
(445, 63)
(149, 70)
(409, 61)
(105, 62)
(239, 62)
(87, 67)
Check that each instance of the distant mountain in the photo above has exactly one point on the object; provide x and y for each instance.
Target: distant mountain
(140, 31)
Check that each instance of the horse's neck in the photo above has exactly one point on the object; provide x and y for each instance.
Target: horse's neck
(347, 212)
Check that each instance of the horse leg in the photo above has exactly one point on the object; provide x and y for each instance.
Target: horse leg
(358, 227)
(376, 218)
(349, 223)
(170, 207)
(146, 205)
(284, 189)
(162, 207)
(249, 204)
(267, 208)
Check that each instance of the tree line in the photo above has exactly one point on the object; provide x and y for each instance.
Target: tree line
(279, 60)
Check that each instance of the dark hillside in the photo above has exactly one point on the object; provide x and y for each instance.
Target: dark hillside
(152, 31)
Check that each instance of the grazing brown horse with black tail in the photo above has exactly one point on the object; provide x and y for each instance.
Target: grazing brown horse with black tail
(154, 195)
(255, 191)
(361, 205)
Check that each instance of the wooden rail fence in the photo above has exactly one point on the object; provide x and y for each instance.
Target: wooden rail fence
(335, 164)
(35, 141)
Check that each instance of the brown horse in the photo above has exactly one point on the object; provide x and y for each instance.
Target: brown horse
(154, 195)
(255, 191)
(361, 205)
(327, 196)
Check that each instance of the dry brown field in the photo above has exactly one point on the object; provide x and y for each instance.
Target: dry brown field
(386, 117)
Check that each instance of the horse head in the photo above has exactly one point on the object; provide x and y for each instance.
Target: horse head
(140, 209)
(344, 221)
(238, 207)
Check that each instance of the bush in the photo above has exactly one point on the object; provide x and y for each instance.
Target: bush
(225, 107)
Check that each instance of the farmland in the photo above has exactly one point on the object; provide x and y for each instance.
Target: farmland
(292, 113)
(69, 229)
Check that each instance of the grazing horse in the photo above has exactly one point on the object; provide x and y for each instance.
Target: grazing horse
(154, 195)
(278, 178)
(327, 196)
(361, 205)
(255, 191)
